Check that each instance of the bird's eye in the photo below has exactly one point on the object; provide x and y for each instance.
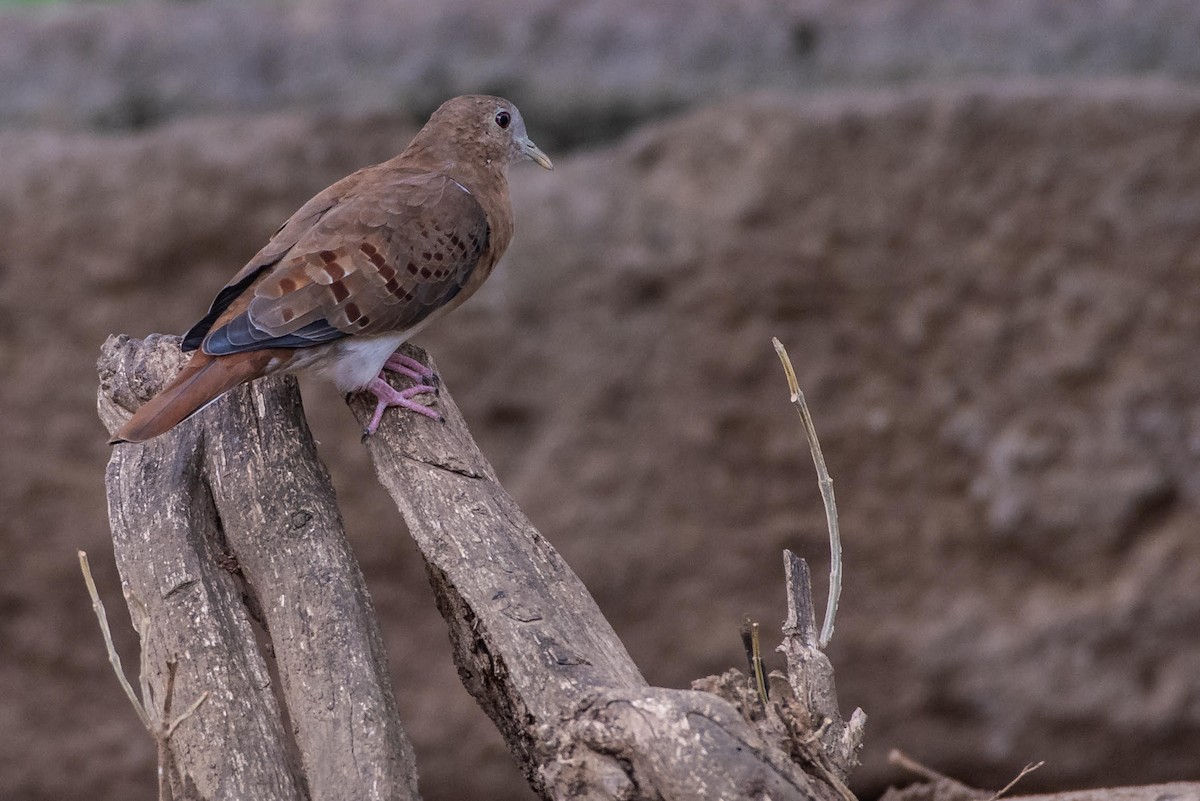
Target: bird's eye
(503, 118)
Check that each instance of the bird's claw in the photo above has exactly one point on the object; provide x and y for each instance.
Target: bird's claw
(386, 395)
(411, 368)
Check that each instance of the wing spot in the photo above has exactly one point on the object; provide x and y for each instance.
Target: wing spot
(426, 255)
(287, 314)
(437, 256)
(334, 270)
(339, 290)
(425, 272)
(372, 254)
(386, 271)
(287, 284)
(412, 268)
(327, 256)
(392, 286)
(352, 312)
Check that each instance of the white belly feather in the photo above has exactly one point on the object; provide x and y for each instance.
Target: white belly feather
(352, 362)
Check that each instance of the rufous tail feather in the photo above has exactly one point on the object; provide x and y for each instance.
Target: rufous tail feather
(202, 380)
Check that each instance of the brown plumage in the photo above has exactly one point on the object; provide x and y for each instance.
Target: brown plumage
(360, 268)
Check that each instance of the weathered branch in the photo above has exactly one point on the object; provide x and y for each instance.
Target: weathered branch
(225, 524)
(537, 654)
(810, 673)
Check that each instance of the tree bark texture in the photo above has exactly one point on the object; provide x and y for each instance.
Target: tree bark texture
(226, 532)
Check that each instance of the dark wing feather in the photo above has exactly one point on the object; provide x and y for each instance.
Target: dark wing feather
(382, 260)
(228, 294)
(283, 240)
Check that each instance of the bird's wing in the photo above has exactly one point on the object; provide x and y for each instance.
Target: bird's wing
(381, 259)
(283, 240)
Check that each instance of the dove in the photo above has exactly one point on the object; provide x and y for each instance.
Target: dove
(359, 269)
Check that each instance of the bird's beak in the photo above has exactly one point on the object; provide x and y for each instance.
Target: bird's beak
(534, 152)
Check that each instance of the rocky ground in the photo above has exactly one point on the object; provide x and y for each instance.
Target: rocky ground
(991, 293)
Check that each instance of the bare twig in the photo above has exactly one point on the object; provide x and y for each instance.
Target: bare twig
(834, 780)
(157, 724)
(1025, 771)
(902, 760)
(187, 713)
(114, 658)
(754, 656)
(163, 730)
(826, 485)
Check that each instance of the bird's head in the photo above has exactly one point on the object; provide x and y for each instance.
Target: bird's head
(482, 127)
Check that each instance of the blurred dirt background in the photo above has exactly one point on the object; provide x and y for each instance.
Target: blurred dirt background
(976, 225)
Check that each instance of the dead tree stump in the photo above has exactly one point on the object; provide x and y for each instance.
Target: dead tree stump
(225, 528)
(228, 523)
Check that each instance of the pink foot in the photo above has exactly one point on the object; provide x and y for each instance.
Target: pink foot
(409, 367)
(387, 395)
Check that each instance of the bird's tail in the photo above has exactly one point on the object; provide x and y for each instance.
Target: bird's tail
(202, 380)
